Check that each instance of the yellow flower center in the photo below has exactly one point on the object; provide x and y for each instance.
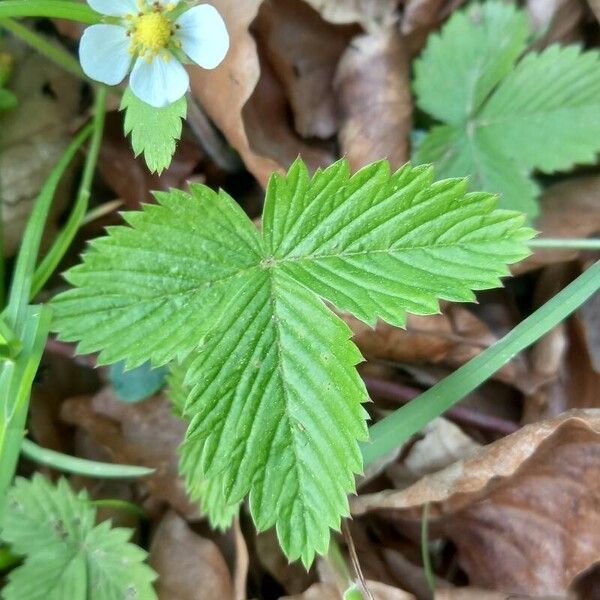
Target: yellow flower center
(151, 31)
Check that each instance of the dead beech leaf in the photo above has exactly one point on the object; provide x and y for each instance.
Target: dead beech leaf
(471, 593)
(371, 15)
(303, 51)
(559, 21)
(323, 591)
(146, 434)
(33, 137)
(224, 91)
(372, 83)
(451, 338)
(523, 512)
(189, 566)
(442, 444)
(569, 209)
(421, 17)
(595, 6)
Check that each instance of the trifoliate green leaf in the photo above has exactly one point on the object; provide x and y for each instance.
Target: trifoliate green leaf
(66, 554)
(154, 131)
(504, 121)
(274, 399)
(476, 50)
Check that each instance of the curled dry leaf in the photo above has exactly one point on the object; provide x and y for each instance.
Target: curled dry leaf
(34, 136)
(223, 92)
(534, 493)
(442, 444)
(558, 21)
(303, 51)
(371, 15)
(421, 17)
(146, 434)
(472, 593)
(189, 566)
(245, 100)
(451, 338)
(373, 87)
(379, 591)
(569, 209)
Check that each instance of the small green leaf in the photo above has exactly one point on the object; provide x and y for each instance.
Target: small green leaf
(8, 100)
(137, 384)
(503, 119)
(270, 385)
(66, 554)
(154, 131)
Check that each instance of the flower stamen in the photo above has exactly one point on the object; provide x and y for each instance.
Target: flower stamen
(150, 33)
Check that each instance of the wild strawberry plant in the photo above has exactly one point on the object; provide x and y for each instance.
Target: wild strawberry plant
(275, 402)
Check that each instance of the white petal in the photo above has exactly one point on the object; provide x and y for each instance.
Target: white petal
(104, 53)
(203, 35)
(114, 8)
(160, 82)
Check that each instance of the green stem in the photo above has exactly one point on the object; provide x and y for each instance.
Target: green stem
(395, 429)
(43, 46)
(57, 9)
(129, 507)
(64, 239)
(16, 379)
(80, 466)
(427, 569)
(25, 266)
(558, 243)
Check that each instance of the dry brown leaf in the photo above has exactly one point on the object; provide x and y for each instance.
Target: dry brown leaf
(146, 433)
(451, 338)
(421, 17)
(189, 566)
(523, 511)
(323, 591)
(373, 87)
(293, 577)
(245, 100)
(442, 444)
(569, 209)
(224, 91)
(371, 15)
(34, 136)
(471, 593)
(595, 6)
(559, 21)
(589, 318)
(303, 51)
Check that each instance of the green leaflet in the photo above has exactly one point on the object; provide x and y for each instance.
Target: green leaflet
(505, 120)
(209, 492)
(154, 131)
(66, 554)
(270, 387)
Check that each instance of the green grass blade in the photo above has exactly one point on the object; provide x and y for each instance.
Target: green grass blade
(81, 466)
(16, 379)
(65, 237)
(22, 280)
(58, 9)
(395, 429)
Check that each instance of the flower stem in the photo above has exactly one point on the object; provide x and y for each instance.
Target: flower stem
(395, 429)
(57, 9)
(558, 243)
(43, 46)
(81, 466)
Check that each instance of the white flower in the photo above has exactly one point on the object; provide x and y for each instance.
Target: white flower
(154, 37)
